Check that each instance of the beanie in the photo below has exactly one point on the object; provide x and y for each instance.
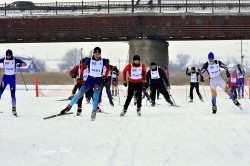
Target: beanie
(211, 55)
(97, 50)
(9, 52)
(153, 63)
(136, 57)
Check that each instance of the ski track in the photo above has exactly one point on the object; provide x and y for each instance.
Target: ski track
(185, 135)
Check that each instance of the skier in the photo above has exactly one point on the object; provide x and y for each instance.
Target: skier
(137, 76)
(241, 80)
(107, 85)
(9, 77)
(213, 67)
(233, 83)
(114, 75)
(157, 80)
(94, 80)
(194, 83)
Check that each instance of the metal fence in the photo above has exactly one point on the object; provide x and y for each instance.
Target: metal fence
(132, 6)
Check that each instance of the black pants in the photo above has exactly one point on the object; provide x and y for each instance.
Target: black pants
(233, 89)
(89, 93)
(161, 88)
(132, 87)
(196, 86)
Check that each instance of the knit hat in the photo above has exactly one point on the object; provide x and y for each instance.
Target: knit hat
(153, 63)
(136, 57)
(211, 55)
(9, 52)
(97, 50)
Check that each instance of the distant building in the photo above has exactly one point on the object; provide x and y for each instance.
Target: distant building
(31, 66)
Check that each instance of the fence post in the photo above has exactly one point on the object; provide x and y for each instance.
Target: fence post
(36, 86)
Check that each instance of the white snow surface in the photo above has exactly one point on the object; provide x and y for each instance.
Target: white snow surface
(188, 135)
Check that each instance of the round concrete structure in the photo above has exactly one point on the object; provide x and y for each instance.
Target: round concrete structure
(150, 51)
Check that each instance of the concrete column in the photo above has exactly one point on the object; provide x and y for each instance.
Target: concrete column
(150, 51)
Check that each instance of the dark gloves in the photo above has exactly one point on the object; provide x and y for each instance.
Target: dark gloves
(19, 65)
(105, 79)
(125, 83)
(228, 74)
(202, 79)
(81, 77)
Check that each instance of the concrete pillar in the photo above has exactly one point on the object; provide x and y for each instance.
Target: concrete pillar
(150, 51)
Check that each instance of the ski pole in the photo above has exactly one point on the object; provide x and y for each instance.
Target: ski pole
(204, 92)
(23, 79)
(245, 90)
(186, 87)
(121, 90)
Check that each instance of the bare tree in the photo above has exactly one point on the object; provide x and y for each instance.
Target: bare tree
(182, 60)
(41, 64)
(70, 59)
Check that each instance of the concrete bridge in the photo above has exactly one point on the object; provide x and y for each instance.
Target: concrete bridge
(147, 33)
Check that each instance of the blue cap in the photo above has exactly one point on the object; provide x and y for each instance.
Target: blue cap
(211, 55)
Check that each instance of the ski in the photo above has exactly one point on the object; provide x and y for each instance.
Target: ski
(102, 112)
(56, 115)
(174, 106)
(1, 112)
(63, 100)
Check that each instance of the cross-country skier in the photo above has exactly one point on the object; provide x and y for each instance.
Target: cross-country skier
(114, 77)
(233, 83)
(157, 80)
(213, 67)
(107, 84)
(194, 83)
(10, 63)
(136, 78)
(94, 80)
(241, 80)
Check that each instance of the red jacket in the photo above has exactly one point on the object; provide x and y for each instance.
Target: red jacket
(128, 69)
(74, 73)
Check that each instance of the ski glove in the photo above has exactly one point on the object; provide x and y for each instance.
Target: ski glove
(81, 77)
(202, 79)
(228, 74)
(106, 79)
(125, 83)
(19, 65)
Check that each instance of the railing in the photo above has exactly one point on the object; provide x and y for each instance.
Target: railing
(132, 6)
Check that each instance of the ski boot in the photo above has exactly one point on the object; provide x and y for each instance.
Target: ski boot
(123, 112)
(153, 103)
(170, 102)
(98, 109)
(237, 103)
(214, 109)
(65, 109)
(191, 100)
(111, 103)
(14, 111)
(201, 100)
(138, 111)
(79, 111)
(93, 115)
(239, 96)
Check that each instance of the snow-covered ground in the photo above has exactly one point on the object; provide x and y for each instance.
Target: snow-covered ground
(188, 135)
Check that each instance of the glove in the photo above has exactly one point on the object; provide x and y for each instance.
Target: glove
(81, 77)
(106, 79)
(228, 74)
(202, 79)
(125, 83)
(18, 65)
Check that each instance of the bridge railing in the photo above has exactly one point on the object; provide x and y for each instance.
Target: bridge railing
(130, 6)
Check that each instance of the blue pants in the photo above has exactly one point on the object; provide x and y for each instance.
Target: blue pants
(241, 86)
(107, 87)
(11, 80)
(91, 82)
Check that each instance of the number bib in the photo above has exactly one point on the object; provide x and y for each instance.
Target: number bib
(9, 67)
(95, 69)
